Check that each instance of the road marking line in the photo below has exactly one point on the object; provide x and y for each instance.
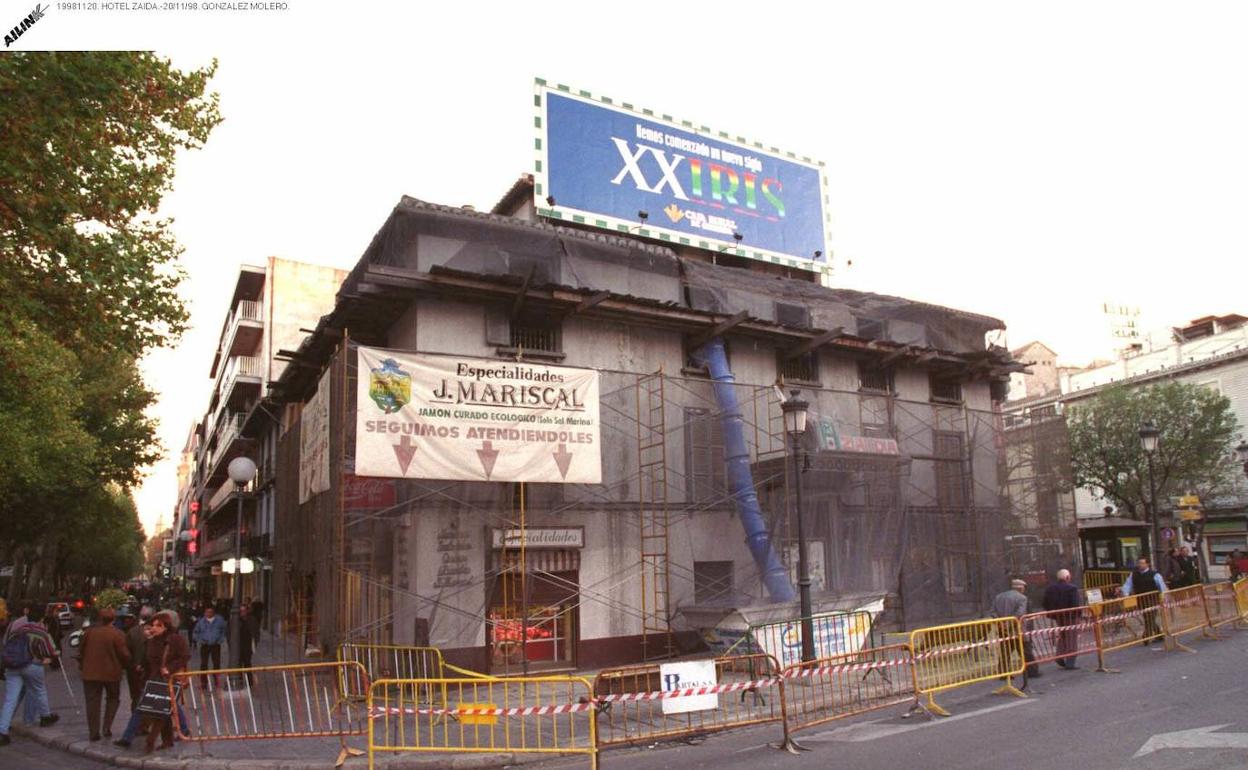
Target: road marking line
(870, 731)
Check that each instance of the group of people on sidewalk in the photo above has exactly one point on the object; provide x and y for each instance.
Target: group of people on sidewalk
(116, 647)
(1061, 594)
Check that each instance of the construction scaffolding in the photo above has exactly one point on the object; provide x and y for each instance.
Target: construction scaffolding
(902, 499)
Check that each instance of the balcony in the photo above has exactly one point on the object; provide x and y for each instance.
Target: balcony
(242, 333)
(240, 382)
(217, 548)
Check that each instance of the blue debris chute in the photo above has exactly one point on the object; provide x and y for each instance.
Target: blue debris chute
(740, 480)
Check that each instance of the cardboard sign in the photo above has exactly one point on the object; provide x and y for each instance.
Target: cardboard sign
(155, 701)
(1093, 595)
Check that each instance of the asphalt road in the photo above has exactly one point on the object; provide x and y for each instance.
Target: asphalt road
(1073, 719)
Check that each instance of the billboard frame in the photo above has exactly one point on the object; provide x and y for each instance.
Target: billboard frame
(664, 235)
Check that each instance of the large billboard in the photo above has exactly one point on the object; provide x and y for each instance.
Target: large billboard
(603, 163)
(449, 417)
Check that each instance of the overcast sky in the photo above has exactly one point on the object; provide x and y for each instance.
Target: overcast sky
(1028, 161)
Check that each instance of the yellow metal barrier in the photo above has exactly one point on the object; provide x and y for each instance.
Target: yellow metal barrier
(959, 654)
(387, 661)
(840, 686)
(1221, 603)
(1105, 579)
(546, 715)
(633, 706)
(1130, 620)
(293, 701)
(1183, 611)
(1241, 598)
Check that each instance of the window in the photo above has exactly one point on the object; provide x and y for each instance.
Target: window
(950, 492)
(535, 334)
(872, 329)
(1220, 547)
(712, 581)
(704, 456)
(873, 378)
(803, 368)
(945, 390)
(792, 315)
(957, 573)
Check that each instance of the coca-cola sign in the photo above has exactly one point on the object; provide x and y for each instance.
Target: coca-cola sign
(363, 493)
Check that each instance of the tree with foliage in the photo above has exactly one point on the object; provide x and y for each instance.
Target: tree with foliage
(1193, 455)
(89, 276)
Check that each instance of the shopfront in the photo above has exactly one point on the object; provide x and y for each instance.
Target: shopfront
(533, 622)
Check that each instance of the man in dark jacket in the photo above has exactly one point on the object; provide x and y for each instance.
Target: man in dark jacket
(1146, 584)
(1062, 595)
(104, 658)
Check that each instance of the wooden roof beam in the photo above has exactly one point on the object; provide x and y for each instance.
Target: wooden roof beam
(813, 343)
(719, 329)
(591, 301)
(518, 304)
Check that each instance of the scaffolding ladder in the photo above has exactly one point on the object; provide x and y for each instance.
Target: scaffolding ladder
(656, 636)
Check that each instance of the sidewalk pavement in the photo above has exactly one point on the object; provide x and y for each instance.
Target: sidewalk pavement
(70, 734)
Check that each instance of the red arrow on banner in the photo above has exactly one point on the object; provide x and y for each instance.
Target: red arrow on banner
(404, 452)
(487, 454)
(563, 458)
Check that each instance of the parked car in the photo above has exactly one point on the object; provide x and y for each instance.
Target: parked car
(60, 612)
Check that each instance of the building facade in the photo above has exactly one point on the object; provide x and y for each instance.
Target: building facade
(270, 305)
(901, 485)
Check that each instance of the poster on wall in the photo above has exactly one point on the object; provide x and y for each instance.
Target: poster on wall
(835, 634)
(427, 416)
(602, 162)
(688, 675)
(314, 442)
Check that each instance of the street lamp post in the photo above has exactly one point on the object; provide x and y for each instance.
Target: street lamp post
(1149, 438)
(795, 425)
(242, 470)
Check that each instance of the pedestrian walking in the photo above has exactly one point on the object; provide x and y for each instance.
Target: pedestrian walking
(1188, 570)
(1063, 595)
(248, 636)
(27, 649)
(166, 653)
(209, 633)
(136, 643)
(103, 658)
(1013, 604)
(1146, 584)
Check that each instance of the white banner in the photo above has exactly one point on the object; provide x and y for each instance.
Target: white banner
(445, 417)
(314, 442)
(688, 675)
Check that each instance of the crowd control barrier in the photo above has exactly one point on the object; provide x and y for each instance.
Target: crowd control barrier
(1129, 620)
(1108, 580)
(1182, 612)
(960, 654)
(823, 690)
(1241, 598)
(291, 701)
(1060, 635)
(1221, 604)
(635, 705)
(383, 661)
(546, 715)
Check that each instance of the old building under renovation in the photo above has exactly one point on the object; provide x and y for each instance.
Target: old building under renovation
(694, 520)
